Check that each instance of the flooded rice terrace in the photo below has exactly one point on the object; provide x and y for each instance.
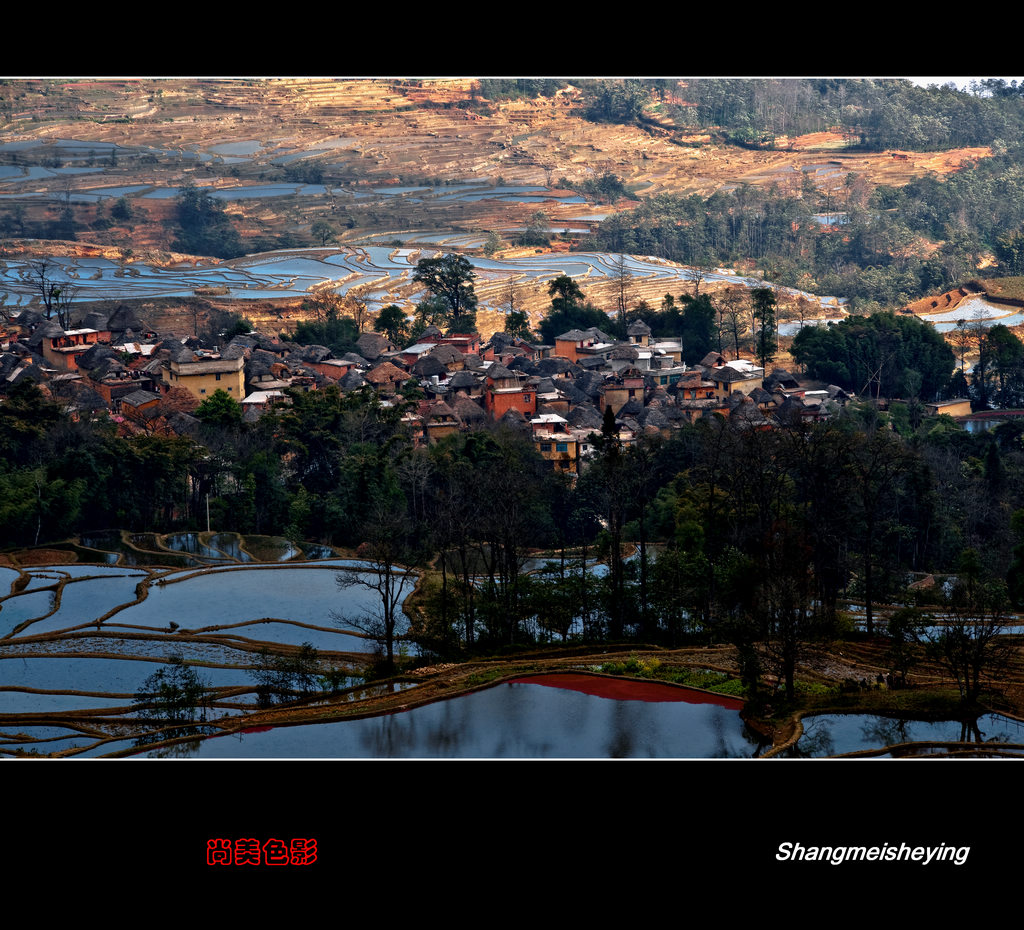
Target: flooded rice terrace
(77, 641)
(974, 311)
(990, 735)
(376, 271)
(541, 717)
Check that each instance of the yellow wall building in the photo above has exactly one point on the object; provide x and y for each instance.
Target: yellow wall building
(207, 375)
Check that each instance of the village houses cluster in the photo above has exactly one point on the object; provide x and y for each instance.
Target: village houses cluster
(557, 393)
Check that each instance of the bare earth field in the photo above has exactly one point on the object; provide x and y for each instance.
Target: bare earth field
(367, 133)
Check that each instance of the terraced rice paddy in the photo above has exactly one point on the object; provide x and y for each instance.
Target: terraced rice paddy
(77, 641)
(975, 311)
(380, 274)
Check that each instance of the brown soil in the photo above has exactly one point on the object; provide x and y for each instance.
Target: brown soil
(40, 557)
(993, 290)
(941, 302)
(374, 132)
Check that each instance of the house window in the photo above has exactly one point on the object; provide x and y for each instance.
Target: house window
(217, 377)
(526, 397)
(561, 447)
(202, 390)
(545, 447)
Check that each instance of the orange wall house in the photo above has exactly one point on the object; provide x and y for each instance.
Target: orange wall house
(62, 351)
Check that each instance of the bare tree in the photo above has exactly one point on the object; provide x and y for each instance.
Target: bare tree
(327, 304)
(625, 290)
(732, 308)
(511, 296)
(969, 643)
(356, 308)
(194, 306)
(964, 338)
(804, 309)
(56, 296)
(698, 280)
(324, 302)
(385, 553)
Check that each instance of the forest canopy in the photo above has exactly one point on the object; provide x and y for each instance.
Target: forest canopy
(896, 356)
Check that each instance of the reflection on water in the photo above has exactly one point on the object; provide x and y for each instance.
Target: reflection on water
(230, 545)
(515, 720)
(270, 548)
(214, 616)
(836, 734)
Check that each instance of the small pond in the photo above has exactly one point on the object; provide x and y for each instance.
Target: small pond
(544, 717)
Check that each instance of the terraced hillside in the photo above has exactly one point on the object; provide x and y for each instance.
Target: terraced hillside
(379, 160)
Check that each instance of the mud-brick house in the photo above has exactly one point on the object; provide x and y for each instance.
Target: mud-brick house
(466, 343)
(466, 382)
(62, 351)
(560, 450)
(502, 348)
(202, 376)
(415, 353)
(469, 412)
(387, 378)
(583, 343)
(372, 346)
(440, 420)
(691, 385)
(139, 406)
(506, 390)
(113, 381)
(738, 375)
(333, 369)
(620, 389)
(555, 443)
(8, 335)
(449, 356)
(639, 333)
(256, 403)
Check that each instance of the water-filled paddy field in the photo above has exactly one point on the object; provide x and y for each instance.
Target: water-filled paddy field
(78, 641)
(543, 717)
(376, 271)
(840, 734)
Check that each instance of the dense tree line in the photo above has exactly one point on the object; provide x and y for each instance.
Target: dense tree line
(722, 531)
(875, 114)
(875, 254)
(883, 354)
(891, 245)
(517, 88)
